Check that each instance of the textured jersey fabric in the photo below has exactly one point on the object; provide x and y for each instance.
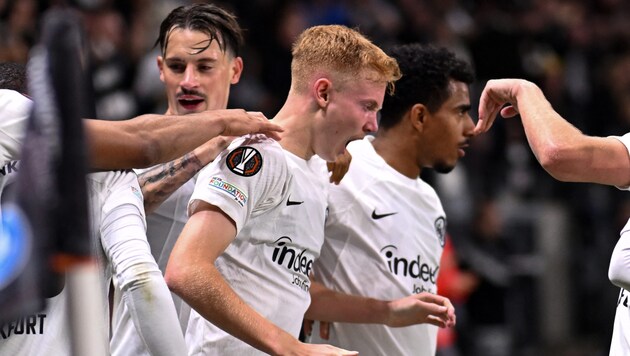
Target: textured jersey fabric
(384, 239)
(279, 210)
(15, 109)
(619, 273)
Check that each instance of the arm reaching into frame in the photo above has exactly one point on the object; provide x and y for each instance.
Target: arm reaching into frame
(151, 139)
(564, 151)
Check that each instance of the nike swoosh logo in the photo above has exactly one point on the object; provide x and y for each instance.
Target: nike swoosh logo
(376, 216)
(290, 202)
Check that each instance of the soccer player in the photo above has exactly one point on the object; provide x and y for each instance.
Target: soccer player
(117, 216)
(386, 227)
(256, 220)
(571, 156)
(200, 46)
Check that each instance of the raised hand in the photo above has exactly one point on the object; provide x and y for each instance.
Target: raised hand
(496, 94)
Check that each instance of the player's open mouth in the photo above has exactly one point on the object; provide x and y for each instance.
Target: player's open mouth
(189, 103)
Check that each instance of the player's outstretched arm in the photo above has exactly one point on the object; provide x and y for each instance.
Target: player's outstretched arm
(192, 275)
(331, 306)
(151, 139)
(563, 150)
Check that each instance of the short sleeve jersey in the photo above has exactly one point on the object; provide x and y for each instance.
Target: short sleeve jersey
(384, 239)
(620, 343)
(278, 203)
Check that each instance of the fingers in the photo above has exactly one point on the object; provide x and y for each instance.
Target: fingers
(324, 330)
(240, 122)
(337, 171)
(265, 126)
(451, 318)
(433, 320)
(307, 326)
(488, 110)
(340, 167)
(509, 111)
(323, 349)
(441, 311)
(344, 352)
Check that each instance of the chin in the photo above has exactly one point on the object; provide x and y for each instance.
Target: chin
(443, 168)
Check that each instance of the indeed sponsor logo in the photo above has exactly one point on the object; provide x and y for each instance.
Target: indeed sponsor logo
(414, 268)
(301, 262)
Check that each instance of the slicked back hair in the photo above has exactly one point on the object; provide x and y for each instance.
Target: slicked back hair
(219, 24)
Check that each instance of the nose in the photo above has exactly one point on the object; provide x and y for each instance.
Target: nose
(372, 124)
(190, 80)
(469, 126)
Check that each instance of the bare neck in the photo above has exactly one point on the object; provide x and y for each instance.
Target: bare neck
(296, 118)
(398, 150)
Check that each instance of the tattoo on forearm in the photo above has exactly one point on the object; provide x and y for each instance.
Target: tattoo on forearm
(159, 182)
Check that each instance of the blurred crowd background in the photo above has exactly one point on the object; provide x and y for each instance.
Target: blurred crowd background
(528, 256)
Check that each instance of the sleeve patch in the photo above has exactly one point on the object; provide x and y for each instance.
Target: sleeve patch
(244, 161)
(239, 196)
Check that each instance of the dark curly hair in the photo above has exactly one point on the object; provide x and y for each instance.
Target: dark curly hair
(217, 23)
(13, 76)
(426, 71)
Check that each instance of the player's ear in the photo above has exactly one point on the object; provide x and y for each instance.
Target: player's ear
(237, 70)
(322, 88)
(160, 64)
(418, 115)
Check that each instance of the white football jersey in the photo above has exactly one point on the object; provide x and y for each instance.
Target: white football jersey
(384, 239)
(278, 204)
(46, 332)
(15, 109)
(620, 342)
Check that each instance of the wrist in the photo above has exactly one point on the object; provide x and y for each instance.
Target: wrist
(381, 310)
(281, 343)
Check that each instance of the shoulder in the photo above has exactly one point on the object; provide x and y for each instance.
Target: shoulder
(251, 154)
(15, 109)
(15, 100)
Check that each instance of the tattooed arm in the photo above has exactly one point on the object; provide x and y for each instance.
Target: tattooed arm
(159, 182)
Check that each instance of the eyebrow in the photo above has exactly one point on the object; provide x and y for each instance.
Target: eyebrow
(176, 59)
(372, 103)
